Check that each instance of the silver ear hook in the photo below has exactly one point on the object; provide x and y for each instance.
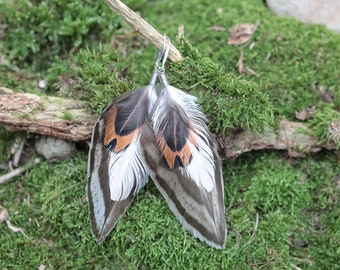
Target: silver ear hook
(160, 54)
(167, 50)
(163, 54)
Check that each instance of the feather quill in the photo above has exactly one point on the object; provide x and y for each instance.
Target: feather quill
(182, 159)
(116, 169)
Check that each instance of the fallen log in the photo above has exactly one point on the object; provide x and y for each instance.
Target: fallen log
(293, 137)
(72, 120)
(48, 115)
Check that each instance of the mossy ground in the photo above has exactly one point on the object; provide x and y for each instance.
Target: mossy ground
(281, 213)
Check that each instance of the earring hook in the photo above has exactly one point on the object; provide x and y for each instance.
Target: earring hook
(167, 50)
(163, 54)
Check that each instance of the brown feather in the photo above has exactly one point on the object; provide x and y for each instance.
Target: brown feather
(110, 132)
(183, 154)
(114, 131)
(200, 212)
(99, 196)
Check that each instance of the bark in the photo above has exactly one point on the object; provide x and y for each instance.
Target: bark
(72, 120)
(53, 116)
(294, 137)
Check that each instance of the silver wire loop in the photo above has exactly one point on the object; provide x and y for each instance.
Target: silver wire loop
(162, 55)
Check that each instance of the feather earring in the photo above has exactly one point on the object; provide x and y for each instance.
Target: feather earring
(116, 169)
(181, 156)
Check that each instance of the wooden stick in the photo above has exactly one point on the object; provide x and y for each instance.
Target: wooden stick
(141, 26)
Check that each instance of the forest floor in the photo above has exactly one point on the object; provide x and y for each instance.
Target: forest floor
(282, 212)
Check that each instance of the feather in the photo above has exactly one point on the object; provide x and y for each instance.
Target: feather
(116, 169)
(181, 156)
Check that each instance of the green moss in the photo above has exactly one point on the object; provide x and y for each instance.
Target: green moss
(50, 204)
(271, 245)
(98, 77)
(48, 28)
(326, 125)
(67, 115)
(279, 188)
(296, 201)
(13, 78)
(7, 140)
(325, 245)
(229, 101)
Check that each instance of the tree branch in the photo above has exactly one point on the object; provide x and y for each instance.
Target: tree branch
(71, 120)
(141, 26)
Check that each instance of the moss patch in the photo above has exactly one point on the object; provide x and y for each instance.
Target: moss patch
(297, 222)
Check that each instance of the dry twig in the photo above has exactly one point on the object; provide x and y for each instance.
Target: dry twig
(17, 171)
(4, 216)
(141, 26)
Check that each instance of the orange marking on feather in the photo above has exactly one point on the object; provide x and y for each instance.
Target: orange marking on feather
(184, 154)
(110, 132)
